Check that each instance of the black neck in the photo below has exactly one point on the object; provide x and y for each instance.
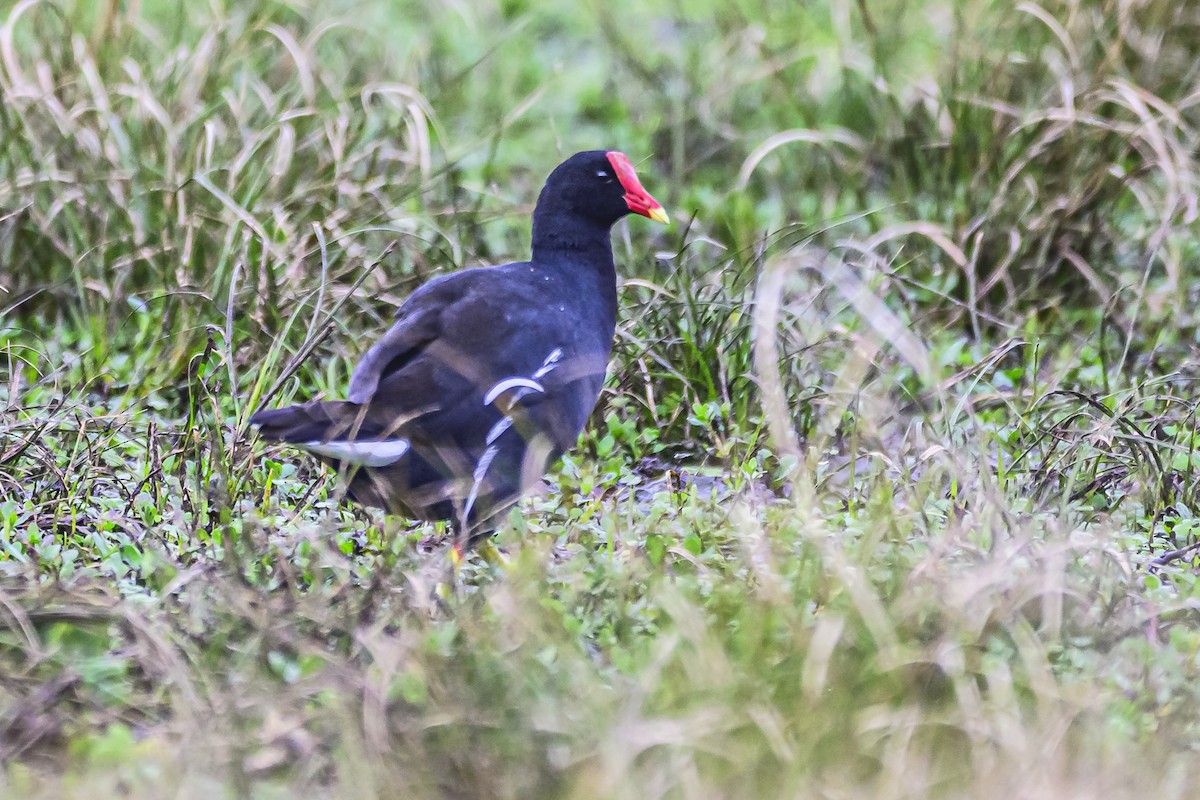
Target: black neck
(569, 237)
(582, 250)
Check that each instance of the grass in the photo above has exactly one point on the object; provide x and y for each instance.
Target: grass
(891, 493)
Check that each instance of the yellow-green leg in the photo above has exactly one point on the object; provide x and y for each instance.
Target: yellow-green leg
(488, 552)
(446, 589)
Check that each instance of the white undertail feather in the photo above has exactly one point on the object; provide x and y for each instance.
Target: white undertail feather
(381, 453)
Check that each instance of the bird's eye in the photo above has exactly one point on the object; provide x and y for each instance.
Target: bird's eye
(601, 174)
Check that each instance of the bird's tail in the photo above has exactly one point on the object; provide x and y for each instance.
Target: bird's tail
(317, 421)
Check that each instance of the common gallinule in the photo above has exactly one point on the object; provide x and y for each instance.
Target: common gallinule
(489, 374)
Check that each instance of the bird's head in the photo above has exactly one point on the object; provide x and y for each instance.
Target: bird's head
(599, 185)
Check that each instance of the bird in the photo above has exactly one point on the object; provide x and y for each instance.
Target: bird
(488, 375)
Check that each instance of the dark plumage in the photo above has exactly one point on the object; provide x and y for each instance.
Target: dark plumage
(488, 374)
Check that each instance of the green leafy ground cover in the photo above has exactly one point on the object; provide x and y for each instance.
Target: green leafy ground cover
(890, 493)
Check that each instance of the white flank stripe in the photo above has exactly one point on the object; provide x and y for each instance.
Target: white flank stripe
(549, 364)
(366, 454)
(481, 469)
(499, 428)
(510, 383)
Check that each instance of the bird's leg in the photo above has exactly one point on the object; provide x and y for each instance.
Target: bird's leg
(457, 555)
(480, 540)
(448, 587)
(488, 552)
(461, 544)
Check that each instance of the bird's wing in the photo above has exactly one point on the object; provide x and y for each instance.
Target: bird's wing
(450, 322)
(418, 324)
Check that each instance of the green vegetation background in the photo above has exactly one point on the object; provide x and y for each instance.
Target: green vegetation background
(890, 494)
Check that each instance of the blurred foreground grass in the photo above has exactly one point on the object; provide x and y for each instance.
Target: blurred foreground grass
(890, 494)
